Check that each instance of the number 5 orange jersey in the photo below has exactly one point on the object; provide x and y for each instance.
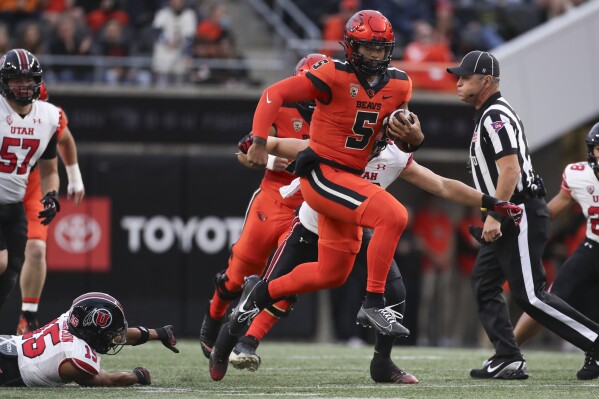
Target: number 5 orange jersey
(347, 120)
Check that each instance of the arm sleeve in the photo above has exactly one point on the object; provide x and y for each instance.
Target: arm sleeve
(50, 151)
(63, 121)
(564, 186)
(290, 90)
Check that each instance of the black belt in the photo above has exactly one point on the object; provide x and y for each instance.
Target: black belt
(522, 197)
(9, 372)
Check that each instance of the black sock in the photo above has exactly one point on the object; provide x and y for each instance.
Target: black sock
(374, 300)
(383, 345)
(263, 298)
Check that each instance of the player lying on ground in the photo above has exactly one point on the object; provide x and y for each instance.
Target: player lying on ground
(67, 349)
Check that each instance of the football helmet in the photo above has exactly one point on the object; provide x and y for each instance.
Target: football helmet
(99, 320)
(592, 141)
(18, 63)
(306, 63)
(302, 67)
(368, 28)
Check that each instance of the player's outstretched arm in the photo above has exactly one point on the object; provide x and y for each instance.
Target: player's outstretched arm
(140, 335)
(139, 375)
(457, 191)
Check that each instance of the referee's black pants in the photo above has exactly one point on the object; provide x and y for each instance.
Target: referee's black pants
(517, 257)
(13, 237)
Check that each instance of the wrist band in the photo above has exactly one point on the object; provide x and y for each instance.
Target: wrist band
(488, 202)
(73, 173)
(145, 336)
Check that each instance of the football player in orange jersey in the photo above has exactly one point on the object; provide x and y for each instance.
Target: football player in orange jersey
(268, 216)
(33, 274)
(353, 98)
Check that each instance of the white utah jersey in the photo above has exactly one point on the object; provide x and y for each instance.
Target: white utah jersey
(23, 141)
(42, 353)
(382, 170)
(579, 180)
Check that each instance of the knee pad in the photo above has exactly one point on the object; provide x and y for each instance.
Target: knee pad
(278, 313)
(221, 290)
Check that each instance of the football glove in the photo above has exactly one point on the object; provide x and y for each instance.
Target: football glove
(245, 143)
(143, 375)
(51, 207)
(167, 337)
(508, 209)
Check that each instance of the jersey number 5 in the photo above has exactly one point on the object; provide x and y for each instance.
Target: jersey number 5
(9, 158)
(364, 133)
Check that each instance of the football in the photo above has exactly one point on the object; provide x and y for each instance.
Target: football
(405, 147)
(395, 114)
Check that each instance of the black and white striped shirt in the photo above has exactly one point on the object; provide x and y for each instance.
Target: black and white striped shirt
(498, 132)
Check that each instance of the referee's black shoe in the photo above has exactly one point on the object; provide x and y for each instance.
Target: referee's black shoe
(511, 367)
(590, 368)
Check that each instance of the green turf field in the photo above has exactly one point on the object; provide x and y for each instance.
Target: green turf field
(329, 371)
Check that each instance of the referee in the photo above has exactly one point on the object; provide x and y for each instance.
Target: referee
(501, 167)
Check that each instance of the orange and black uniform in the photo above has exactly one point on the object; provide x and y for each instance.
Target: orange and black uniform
(268, 216)
(349, 114)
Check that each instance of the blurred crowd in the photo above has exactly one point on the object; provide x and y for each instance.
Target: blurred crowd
(438, 31)
(175, 33)
(182, 35)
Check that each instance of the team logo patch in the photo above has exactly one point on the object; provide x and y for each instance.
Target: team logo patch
(74, 321)
(590, 189)
(353, 89)
(297, 124)
(9, 119)
(99, 317)
(498, 125)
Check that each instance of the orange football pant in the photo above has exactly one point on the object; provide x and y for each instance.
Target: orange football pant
(266, 225)
(345, 203)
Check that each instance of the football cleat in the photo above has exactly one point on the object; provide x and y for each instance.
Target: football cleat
(209, 332)
(247, 308)
(384, 320)
(244, 355)
(218, 365)
(27, 322)
(219, 357)
(502, 367)
(590, 368)
(385, 371)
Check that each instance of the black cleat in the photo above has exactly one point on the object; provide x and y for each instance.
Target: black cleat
(244, 355)
(502, 367)
(219, 358)
(385, 371)
(247, 308)
(384, 320)
(209, 332)
(590, 368)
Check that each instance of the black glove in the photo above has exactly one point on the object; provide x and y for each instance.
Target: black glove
(245, 143)
(167, 337)
(51, 207)
(143, 375)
